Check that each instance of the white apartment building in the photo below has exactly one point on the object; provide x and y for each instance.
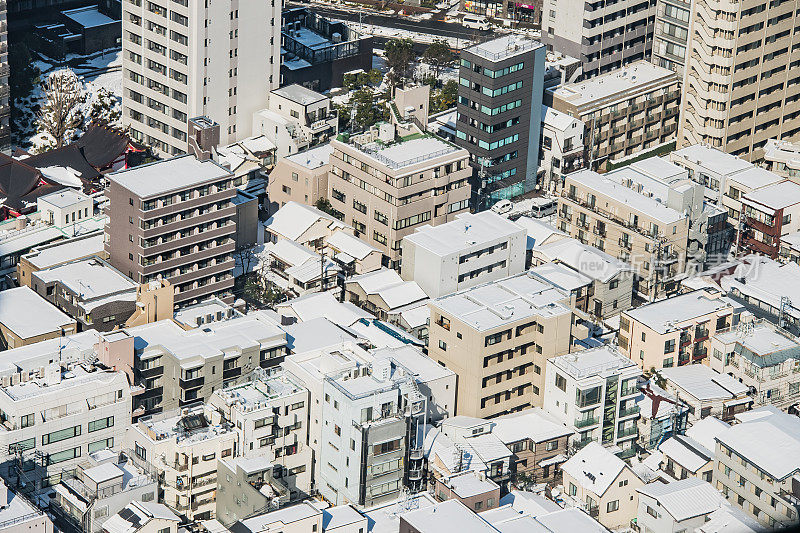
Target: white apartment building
(184, 447)
(562, 149)
(706, 392)
(270, 417)
(65, 207)
(783, 158)
(594, 392)
(297, 118)
(53, 415)
(764, 358)
(189, 58)
(468, 251)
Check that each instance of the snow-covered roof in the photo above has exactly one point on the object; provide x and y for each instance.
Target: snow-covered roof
(469, 484)
(594, 468)
(762, 279)
(539, 232)
(601, 361)
(561, 276)
(390, 287)
(755, 178)
(168, 175)
(294, 219)
(703, 383)
(467, 231)
(778, 196)
(769, 442)
(663, 315)
(324, 305)
(297, 93)
(313, 157)
(61, 252)
(686, 498)
(705, 431)
(711, 158)
(529, 503)
(586, 259)
(416, 316)
(88, 278)
(27, 314)
(534, 424)
(453, 513)
(687, 452)
(730, 519)
(343, 241)
(88, 17)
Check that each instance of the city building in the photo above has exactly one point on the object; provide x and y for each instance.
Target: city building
(538, 441)
(5, 99)
(470, 488)
(182, 60)
(143, 517)
(302, 224)
(783, 158)
(301, 178)
(612, 279)
(763, 357)
(27, 318)
(768, 214)
(790, 248)
(497, 337)
(383, 293)
(671, 34)
(603, 485)
(756, 467)
(178, 367)
(623, 220)
(722, 105)
(684, 504)
(594, 393)
(299, 269)
(58, 253)
(603, 37)
(675, 331)
(627, 111)
(317, 52)
(55, 414)
(96, 294)
(691, 455)
(296, 119)
(101, 487)
(499, 116)
(706, 392)
(18, 514)
(184, 448)
(386, 189)
(562, 150)
(468, 251)
(270, 417)
(174, 220)
(661, 415)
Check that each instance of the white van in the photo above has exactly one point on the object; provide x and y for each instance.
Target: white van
(542, 207)
(476, 22)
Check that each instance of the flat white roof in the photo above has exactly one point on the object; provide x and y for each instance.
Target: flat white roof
(89, 278)
(603, 186)
(704, 383)
(465, 232)
(451, 515)
(562, 276)
(663, 315)
(313, 157)
(533, 423)
(755, 178)
(586, 259)
(89, 17)
(299, 94)
(712, 159)
(403, 154)
(29, 315)
(168, 175)
(63, 251)
(468, 484)
(623, 80)
(601, 361)
(777, 196)
(64, 198)
(504, 47)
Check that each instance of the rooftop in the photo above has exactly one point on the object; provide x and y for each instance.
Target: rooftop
(465, 232)
(778, 196)
(29, 315)
(260, 393)
(294, 219)
(282, 517)
(405, 153)
(64, 198)
(712, 159)
(763, 344)
(469, 484)
(313, 157)
(561, 276)
(351, 245)
(686, 498)
(586, 259)
(17, 509)
(615, 85)
(88, 17)
(534, 424)
(161, 177)
(453, 513)
(504, 47)
(605, 187)
(211, 310)
(64, 251)
(557, 119)
(299, 94)
(594, 468)
(341, 516)
(601, 361)
(505, 301)
(190, 427)
(88, 278)
(390, 287)
(703, 383)
(322, 305)
(665, 315)
(765, 280)
(755, 178)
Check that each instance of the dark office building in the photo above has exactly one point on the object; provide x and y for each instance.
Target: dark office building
(499, 116)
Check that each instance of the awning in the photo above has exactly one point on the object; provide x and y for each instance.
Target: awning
(560, 458)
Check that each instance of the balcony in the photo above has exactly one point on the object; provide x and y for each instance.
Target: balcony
(580, 443)
(700, 334)
(628, 432)
(192, 383)
(686, 340)
(629, 411)
(415, 474)
(585, 422)
(628, 245)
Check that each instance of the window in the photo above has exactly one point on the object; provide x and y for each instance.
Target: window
(442, 345)
(612, 506)
(65, 455)
(573, 490)
(140, 452)
(101, 444)
(386, 447)
(22, 445)
(103, 423)
(63, 434)
(561, 382)
(652, 512)
(26, 420)
(669, 346)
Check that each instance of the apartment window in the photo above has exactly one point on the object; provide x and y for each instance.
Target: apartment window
(669, 346)
(561, 382)
(379, 237)
(66, 455)
(386, 447)
(103, 423)
(380, 217)
(21, 446)
(101, 444)
(27, 420)
(63, 434)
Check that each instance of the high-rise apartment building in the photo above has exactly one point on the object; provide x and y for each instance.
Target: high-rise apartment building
(671, 34)
(604, 34)
(186, 58)
(5, 107)
(174, 219)
(742, 82)
(499, 115)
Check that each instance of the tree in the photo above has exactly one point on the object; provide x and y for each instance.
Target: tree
(399, 55)
(438, 56)
(105, 108)
(368, 109)
(324, 205)
(61, 116)
(375, 76)
(245, 258)
(444, 98)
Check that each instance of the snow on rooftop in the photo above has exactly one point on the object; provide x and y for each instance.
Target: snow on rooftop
(299, 94)
(468, 484)
(64, 198)
(594, 468)
(344, 242)
(61, 252)
(534, 424)
(586, 259)
(685, 499)
(453, 513)
(777, 196)
(294, 219)
(755, 178)
(89, 278)
(389, 286)
(712, 159)
(703, 383)
(313, 157)
(504, 47)
(601, 361)
(663, 316)
(168, 175)
(618, 82)
(466, 231)
(89, 17)
(27, 314)
(561, 276)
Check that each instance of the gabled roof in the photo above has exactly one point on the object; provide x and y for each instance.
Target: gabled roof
(294, 219)
(69, 156)
(594, 468)
(101, 145)
(19, 182)
(686, 498)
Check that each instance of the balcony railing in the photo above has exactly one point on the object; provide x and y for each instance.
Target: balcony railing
(627, 432)
(628, 411)
(584, 422)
